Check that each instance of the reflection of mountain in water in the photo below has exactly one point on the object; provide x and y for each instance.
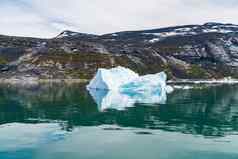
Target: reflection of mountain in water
(24, 136)
(210, 111)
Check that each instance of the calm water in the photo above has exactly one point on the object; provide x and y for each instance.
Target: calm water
(67, 122)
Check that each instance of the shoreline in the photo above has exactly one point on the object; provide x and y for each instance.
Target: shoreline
(32, 80)
(202, 81)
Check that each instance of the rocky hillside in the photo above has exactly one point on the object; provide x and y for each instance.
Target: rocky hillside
(191, 51)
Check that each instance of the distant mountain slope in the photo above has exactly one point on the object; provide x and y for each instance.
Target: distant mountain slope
(190, 51)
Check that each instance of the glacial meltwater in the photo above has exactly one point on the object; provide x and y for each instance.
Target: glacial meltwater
(57, 121)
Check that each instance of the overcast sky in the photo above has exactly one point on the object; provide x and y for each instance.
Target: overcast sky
(47, 18)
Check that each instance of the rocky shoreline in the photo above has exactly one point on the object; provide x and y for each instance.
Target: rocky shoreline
(32, 81)
(204, 81)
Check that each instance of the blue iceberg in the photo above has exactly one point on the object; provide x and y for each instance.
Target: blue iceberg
(155, 83)
(121, 87)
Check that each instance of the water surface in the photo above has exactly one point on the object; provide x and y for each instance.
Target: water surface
(54, 121)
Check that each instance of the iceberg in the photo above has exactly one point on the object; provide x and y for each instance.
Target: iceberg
(120, 87)
(112, 79)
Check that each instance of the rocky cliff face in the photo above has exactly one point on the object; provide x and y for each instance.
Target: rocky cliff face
(191, 51)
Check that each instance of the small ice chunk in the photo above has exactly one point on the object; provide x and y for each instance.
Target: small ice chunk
(112, 79)
(169, 89)
(185, 87)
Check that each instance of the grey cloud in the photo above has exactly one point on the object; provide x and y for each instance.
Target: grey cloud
(44, 18)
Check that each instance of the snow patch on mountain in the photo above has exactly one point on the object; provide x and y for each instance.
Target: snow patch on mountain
(67, 34)
(154, 40)
(114, 34)
(189, 31)
(183, 29)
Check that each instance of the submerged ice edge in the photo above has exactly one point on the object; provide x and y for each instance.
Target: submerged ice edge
(120, 101)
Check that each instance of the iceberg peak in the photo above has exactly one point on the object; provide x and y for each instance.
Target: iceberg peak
(112, 79)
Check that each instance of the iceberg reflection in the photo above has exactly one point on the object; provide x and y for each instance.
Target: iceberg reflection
(120, 100)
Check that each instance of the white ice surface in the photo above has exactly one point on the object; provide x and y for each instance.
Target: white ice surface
(112, 79)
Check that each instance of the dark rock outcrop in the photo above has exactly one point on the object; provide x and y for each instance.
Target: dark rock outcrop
(191, 51)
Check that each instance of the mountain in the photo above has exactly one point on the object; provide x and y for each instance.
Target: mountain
(184, 52)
